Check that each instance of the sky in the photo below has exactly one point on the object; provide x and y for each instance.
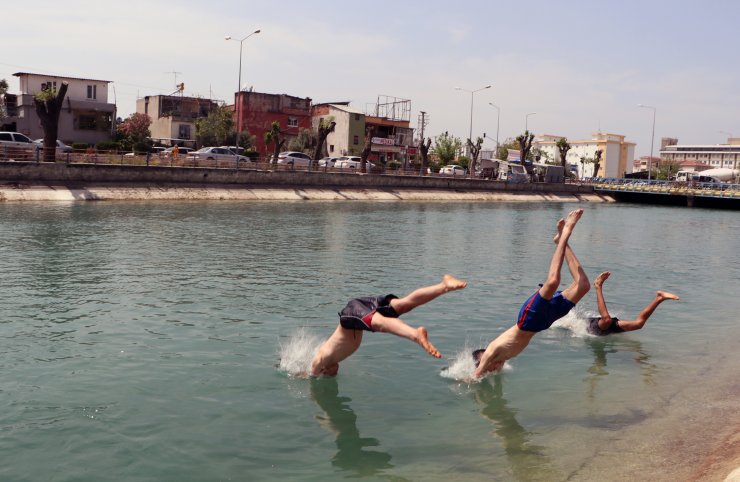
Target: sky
(580, 66)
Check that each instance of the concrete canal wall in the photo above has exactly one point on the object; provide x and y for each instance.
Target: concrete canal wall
(30, 181)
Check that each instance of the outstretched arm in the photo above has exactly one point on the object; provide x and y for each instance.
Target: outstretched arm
(606, 318)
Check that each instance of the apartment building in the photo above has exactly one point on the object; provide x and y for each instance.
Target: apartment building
(173, 117)
(86, 116)
(348, 138)
(617, 154)
(712, 156)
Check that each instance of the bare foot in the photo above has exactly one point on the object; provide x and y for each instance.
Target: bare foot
(601, 278)
(572, 219)
(422, 338)
(559, 225)
(451, 283)
(664, 295)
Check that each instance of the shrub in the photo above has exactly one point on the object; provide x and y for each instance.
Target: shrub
(80, 146)
(108, 146)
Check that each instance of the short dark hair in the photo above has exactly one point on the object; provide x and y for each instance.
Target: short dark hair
(476, 356)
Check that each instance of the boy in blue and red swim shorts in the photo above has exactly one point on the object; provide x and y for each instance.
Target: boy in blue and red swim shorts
(544, 307)
(378, 314)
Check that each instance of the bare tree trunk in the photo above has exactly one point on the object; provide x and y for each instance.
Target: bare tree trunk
(367, 149)
(424, 148)
(48, 111)
(323, 133)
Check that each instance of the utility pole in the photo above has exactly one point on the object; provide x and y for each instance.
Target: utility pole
(175, 74)
(423, 120)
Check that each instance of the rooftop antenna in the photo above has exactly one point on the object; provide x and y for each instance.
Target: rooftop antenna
(175, 74)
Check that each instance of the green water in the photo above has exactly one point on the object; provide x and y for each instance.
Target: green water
(140, 342)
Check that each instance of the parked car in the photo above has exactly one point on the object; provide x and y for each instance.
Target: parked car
(452, 170)
(352, 162)
(16, 145)
(215, 154)
(61, 146)
(234, 149)
(327, 162)
(293, 159)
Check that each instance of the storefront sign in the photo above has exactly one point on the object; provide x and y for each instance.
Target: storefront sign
(383, 140)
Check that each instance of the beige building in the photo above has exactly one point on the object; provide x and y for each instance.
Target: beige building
(86, 116)
(348, 137)
(173, 117)
(712, 156)
(616, 154)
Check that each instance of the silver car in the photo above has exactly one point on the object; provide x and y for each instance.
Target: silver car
(215, 154)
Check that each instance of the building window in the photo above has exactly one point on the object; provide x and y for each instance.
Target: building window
(357, 117)
(49, 85)
(92, 91)
(184, 131)
(292, 122)
(356, 140)
(331, 148)
(86, 123)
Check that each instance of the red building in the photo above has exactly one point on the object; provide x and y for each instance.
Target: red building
(256, 111)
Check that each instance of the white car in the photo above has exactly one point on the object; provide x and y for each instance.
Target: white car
(215, 154)
(61, 146)
(181, 151)
(452, 170)
(16, 145)
(328, 161)
(352, 162)
(294, 160)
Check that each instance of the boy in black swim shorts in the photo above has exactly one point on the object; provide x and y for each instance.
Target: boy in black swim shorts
(544, 307)
(607, 325)
(378, 314)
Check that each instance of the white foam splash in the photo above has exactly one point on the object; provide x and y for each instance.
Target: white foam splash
(297, 353)
(462, 366)
(576, 321)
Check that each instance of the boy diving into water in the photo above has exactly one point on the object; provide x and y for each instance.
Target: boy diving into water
(379, 314)
(605, 324)
(543, 308)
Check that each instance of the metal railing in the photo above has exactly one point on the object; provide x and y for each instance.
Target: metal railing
(713, 189)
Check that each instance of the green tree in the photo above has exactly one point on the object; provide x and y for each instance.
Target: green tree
(48, 104)
(246, 140)
(135, 132)
(325, 127)
(217, 128)
(275, 136)
(503, 149)
(525, 145)
(303, 142)
(667, 169)
(563, 147)
(446, 147)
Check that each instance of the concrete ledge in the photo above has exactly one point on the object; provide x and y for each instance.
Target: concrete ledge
(30, 181)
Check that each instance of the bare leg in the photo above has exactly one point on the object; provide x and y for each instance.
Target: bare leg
(642, 318)
(424, 295)
(341, 344)
(580, 285)
(550, 286)
(398, 327)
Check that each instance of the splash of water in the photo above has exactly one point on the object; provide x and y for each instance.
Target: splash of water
(297, 353)
(462, 366)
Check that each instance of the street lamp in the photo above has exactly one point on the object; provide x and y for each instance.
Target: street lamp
(526, 121)
(470, 135)
(239, 86)
(498, 122)
(652, 140)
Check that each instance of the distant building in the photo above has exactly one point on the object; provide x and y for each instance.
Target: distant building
(644, 163)
(393, 136)
(348, 138)
(712, 156)
(616, 154)
(87, 116)
(173, 117)
(256, 111)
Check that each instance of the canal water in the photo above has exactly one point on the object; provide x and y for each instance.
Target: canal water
(159, 341)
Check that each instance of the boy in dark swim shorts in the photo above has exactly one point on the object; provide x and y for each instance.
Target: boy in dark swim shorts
(607, 325)
(378, 314)
(544, 307)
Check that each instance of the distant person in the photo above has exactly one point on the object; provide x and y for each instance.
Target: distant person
(378, 314)
(607, 325)
(543, 308)
(175, 152)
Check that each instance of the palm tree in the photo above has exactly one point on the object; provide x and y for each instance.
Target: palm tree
(273, 136)
(563, 147)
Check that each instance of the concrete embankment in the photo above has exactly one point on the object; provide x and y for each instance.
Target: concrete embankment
(29, 181)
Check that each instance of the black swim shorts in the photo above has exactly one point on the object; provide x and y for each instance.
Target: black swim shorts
(358, 313)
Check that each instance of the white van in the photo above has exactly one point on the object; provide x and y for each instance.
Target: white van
(512, 172)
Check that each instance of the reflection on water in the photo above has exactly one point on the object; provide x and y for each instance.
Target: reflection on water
(527, 461)
(341, 420)
(603, 345)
